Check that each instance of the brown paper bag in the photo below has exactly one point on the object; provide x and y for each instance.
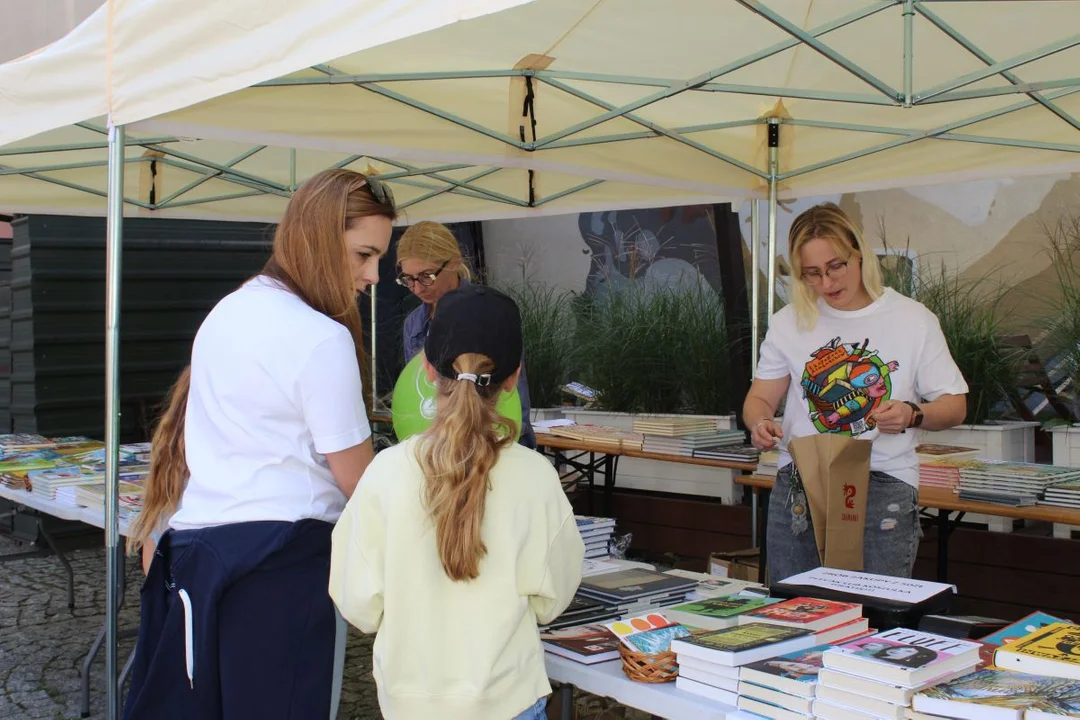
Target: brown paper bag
(835, 472)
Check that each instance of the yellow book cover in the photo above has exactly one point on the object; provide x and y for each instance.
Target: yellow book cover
(1059, 642)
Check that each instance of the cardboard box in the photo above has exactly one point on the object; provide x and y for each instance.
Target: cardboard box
(736, 564)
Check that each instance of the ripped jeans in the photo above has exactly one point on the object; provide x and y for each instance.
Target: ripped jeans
(890, 538)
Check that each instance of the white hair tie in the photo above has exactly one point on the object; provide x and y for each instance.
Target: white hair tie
(479, 380)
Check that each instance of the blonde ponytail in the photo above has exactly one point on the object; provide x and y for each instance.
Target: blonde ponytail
(168, 465)
(456, 455)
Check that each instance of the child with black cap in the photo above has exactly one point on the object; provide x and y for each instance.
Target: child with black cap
(458, 541)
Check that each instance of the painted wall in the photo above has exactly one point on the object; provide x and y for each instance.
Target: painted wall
(992, 229)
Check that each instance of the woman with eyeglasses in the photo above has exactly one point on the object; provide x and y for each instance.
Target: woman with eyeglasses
(855, 358)
(264, 440)
(430, 265)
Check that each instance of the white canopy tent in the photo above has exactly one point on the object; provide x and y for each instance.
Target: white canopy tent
(547, 106)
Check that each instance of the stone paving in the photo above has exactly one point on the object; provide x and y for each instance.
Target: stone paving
(43, 643)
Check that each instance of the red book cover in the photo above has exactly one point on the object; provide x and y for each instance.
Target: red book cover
(808, 613)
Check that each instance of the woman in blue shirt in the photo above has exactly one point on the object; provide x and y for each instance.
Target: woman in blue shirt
(430, 265)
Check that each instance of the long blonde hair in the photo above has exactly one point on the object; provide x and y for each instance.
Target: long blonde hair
(311, 259)
(456, 455)
(432, 242)
(828, 222)
(168, 462)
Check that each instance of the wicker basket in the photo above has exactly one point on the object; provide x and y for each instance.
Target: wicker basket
(648, 668)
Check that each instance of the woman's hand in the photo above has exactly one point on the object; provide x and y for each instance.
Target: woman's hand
(764, 435)
(893, 417)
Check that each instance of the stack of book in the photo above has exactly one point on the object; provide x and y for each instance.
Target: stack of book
(71, 470)
(829, 621)
(675, 426)
(767, 463)
(784, 687)
(710, 662)
(14, 468)
(714, 587)
(1015, 484)
(1066, 494)
(596, 533)
(634, 590)
(878, 676)
(691, 444)
(683, 435)
(992, 694)
(932, 452)
(1032, 677)
(733, 453)
(606, 438)
(586, 644)
(939, 465)
(583, 610)
(17, 443)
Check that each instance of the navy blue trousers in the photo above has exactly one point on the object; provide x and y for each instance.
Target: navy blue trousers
(254, 599)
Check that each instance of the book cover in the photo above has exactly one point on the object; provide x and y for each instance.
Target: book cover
(632, 583)
(1013, 632)
(802, 666)
(904, 649)
(936, 449)
(656, 640)
(724, 607)
(627, 627)
(583, 642)
(1057, 642)
(806, 612)
(1002, 689)
(745, 637)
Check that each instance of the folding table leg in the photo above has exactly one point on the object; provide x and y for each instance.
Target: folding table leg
(63, 559)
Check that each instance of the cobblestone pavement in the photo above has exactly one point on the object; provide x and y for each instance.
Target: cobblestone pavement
(43, 644)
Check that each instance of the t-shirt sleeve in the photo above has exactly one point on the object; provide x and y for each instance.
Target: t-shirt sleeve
(937, 373)
(333, 395)
(772, 365)
(357, 564)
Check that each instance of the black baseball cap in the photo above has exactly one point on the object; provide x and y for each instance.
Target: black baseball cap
(475, 319)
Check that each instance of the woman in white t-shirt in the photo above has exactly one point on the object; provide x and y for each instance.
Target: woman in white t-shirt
(458, 541)
(264, 440)
(858, 359)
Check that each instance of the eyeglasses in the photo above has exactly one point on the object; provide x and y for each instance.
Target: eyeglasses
(834, 270)
(381, 192)
(426, 279)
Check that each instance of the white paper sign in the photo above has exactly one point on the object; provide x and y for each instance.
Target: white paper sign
(879, 586)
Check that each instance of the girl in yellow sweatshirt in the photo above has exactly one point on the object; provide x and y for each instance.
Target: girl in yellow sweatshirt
(457, 542)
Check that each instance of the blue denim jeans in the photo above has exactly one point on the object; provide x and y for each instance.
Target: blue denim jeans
(890, 538)
(536, 712)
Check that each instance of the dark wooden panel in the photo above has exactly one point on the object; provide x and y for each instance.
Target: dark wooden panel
(678, 511)
(661, 539)
(1004, 575)
(1018, 551)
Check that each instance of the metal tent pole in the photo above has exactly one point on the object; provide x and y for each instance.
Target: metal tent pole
(113, 248)
(774, 170)
(755, 284)
(374, 367)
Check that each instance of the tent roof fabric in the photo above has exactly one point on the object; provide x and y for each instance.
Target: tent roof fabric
(551, 106)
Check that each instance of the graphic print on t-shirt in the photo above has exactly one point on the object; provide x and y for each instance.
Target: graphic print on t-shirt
(843, 385)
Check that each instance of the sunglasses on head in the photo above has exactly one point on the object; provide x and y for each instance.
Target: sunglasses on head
(381, 191)
(426, 279)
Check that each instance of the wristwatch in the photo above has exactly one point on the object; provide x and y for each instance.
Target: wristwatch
(917, 416)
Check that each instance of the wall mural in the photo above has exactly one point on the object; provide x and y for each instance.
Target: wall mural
(663, 247)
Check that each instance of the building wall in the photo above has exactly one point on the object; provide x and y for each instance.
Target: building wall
(994, 230)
